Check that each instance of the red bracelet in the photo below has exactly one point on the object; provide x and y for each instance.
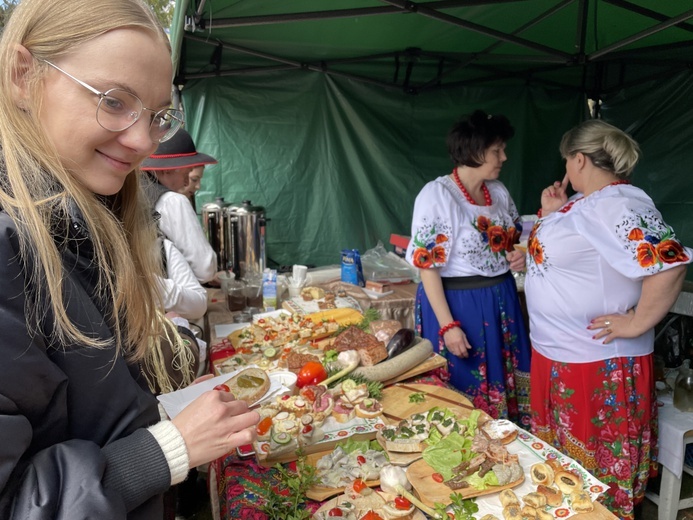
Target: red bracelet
(449, 326)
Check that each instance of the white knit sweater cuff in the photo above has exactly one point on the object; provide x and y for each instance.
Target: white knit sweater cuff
(173, 446)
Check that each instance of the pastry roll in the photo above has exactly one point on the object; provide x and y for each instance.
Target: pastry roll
(489, 517)
(531, 512)
(534, 499)
(554, 464)
(581, 502)
(568, 482)
(508, 498)
(554, 497)
(512, 512)
(544, 515)
(542, 474)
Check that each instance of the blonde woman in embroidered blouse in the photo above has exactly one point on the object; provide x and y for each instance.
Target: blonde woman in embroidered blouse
(464, 227)
(603, 268)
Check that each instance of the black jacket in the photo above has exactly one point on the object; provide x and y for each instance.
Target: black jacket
(73, 438)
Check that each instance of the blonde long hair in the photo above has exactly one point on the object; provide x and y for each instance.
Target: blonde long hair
(35, 187)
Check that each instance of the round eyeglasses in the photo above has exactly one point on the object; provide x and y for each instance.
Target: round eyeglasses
(119, 109)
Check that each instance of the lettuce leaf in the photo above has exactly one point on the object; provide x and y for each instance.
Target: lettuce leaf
(448, 453)
(490, 479)
(351, 445)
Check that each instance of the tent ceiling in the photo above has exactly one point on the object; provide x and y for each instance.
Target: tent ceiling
(594, 46)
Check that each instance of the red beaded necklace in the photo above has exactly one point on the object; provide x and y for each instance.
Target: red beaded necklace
(567, 207)
(484, 189)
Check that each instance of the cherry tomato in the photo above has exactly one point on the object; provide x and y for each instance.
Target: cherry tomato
(286, 397)
(264, 426)
(371, 515)
(307, 428)
(361, 459)
(311, 373)
(222, 388)
(437, 477)
(402, 503)
(359, 485)
(267, 337)
(261, 320)
(335, 511)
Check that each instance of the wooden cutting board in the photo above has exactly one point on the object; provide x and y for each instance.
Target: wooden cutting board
(397, 406)
(429, 491)
(433, 362)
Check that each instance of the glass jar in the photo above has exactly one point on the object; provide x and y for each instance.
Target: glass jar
(234, 291)
(683, 388)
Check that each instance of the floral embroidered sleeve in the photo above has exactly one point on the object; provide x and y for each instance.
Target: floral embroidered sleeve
(633, 238)
(432, 230)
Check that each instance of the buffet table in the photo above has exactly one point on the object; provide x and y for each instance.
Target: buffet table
(236, 484)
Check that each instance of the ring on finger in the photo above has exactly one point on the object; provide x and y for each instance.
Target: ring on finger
(609, 331)
(607, 323)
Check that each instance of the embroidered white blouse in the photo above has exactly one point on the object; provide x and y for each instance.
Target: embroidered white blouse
(589, 259)
(460, 238)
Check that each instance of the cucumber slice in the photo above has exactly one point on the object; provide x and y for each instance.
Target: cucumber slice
(270, 352)
(348, 385)
(280, 437)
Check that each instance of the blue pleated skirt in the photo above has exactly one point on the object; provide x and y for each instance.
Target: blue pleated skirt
(495, 376)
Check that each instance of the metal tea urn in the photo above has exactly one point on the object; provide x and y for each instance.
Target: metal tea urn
(215, 225)
(245, 237)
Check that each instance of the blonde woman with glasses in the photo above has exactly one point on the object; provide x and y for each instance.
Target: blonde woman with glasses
(85, 93)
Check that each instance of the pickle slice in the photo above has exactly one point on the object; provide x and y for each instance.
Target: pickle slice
(247, 381)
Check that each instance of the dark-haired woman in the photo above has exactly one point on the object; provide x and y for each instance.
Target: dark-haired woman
(464, 227)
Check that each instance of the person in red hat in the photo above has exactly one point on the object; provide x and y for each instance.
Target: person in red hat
(167, 169)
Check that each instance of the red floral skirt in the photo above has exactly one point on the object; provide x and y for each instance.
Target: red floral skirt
(604, 415)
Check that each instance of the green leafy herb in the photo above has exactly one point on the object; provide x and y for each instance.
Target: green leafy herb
(292, 506)
(461, 508)
(418, 397)
(330, 356)
(375, 388)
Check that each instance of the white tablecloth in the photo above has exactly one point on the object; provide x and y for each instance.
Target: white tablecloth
(673, 425)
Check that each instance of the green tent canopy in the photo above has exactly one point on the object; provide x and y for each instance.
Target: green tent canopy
(332, 114)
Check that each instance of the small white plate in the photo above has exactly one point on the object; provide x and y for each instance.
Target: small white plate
(174, 402)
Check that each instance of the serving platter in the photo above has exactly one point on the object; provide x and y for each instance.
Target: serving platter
(430, 492)
(398, 406)
(417, 515)
(321, 493)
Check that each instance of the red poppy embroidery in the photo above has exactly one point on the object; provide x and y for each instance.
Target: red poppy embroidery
(438, 253)
(535, 250)
(636, 234)
(422, 258)
(496, 238)
(647, 256)
(671, 252)
(440, 238)
(482, 223)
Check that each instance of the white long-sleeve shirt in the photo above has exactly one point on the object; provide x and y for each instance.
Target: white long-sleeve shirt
(180, 225)
(181, 292)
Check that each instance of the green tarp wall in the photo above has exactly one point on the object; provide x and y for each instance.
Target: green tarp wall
(338, 164)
